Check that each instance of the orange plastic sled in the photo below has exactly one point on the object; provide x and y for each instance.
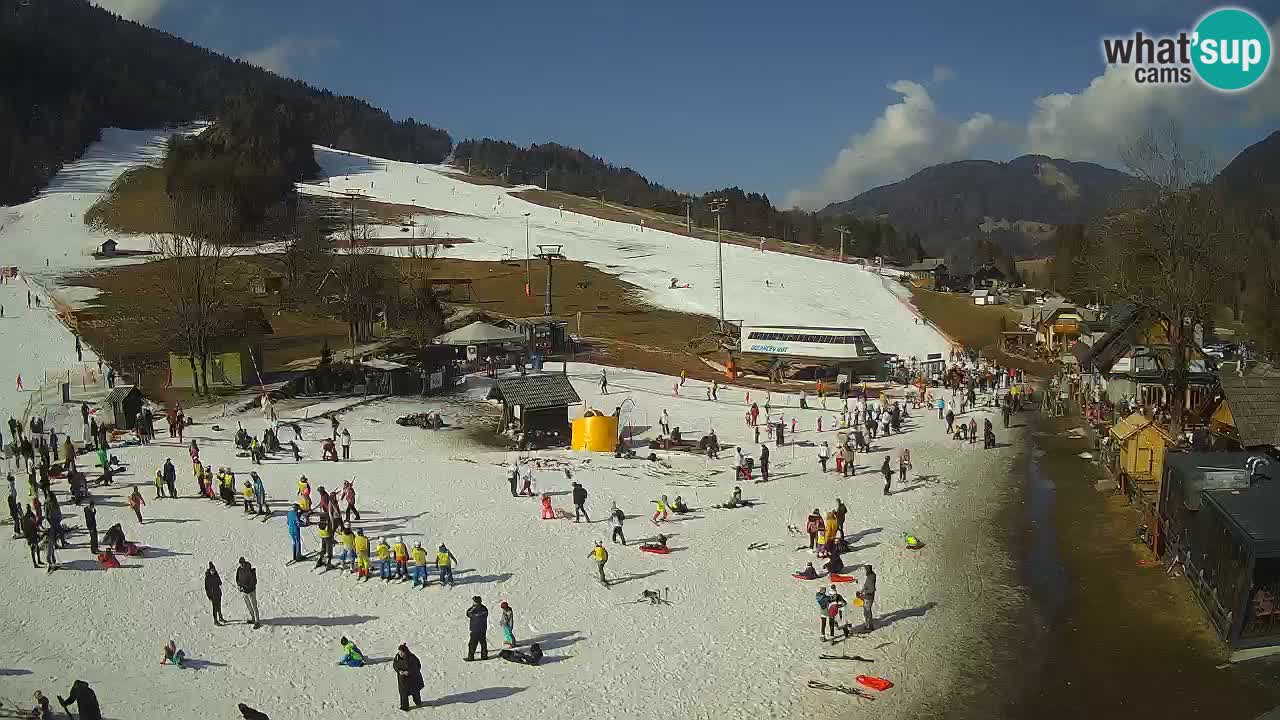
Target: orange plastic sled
(655, 550)
(838, 578)
(873, 682)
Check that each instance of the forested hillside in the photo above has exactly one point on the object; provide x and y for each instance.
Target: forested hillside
(573, 171)
(71, 68)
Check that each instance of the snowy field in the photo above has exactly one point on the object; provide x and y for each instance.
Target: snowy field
(801, 290)
(738, 639)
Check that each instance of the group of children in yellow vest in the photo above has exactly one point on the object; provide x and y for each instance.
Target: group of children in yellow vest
(393, 558)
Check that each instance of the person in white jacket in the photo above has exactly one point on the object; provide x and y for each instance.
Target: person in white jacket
(346, 444)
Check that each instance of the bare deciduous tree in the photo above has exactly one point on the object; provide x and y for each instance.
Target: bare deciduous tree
(1175, 256)
(194, 292)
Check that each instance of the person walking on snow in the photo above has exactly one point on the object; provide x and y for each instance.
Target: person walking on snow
(513, 477)
(91, 524)
(445, 561)
(409, 682)
(888, 474)
(868, 595)
(604, 382)
(812, 526)
(349, 499)
(246, 493)
(136, 502)
(293, 523)
(824, 453)
(324, 528)
(213, 591)
(478, 622)
(579, 501)
(346, 444)
(31, 532)
(601, 556)
(841, 513)
(616, 518)
(764, 462)
(508, 625)
(247, 582)
(904, 465)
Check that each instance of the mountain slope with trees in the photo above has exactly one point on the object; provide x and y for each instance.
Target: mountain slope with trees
(1004, 202)
(73, 68)
(574, 171)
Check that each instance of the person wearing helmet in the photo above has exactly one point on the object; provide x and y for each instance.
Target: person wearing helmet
(384, 559)
(601, 556)
(419, 565)
(401, 552)
(444, 565)
(361, 567)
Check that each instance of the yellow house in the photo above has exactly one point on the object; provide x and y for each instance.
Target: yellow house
(1143, 445)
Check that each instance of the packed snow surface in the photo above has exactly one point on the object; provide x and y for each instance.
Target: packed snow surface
(801, 290)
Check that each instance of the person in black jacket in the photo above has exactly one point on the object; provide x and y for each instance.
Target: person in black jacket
(15, 513)
(85, 699)
(579, 499)
(91, 524)
(408, 677)
(213, 591)
(32, 534)
(478, 617)
(247, 581)
(171, 477)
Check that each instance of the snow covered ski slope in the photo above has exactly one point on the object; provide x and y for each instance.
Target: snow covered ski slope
(801, 290)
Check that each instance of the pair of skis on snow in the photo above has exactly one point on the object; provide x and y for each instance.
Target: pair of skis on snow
(846, 689)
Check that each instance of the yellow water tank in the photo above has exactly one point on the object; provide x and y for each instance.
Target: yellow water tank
(595, 433)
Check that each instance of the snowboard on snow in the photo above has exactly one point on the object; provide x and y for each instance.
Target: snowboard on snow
(859, 658)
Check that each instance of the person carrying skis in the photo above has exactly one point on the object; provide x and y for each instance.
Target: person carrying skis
(349, 499)
(478, 623)
(213, 591)
(508, 625)
(292, 522)
(136, 502)
(601, 556)
(351, 655)
(401, 552)
(419, 565)
(444, 565)
(361, 543)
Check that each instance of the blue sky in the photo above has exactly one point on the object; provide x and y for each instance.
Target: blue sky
(764, 95)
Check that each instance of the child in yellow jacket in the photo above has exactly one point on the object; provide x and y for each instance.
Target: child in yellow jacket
(401, 553)
(419, 565)
(384, 559)
(348, 540)
(362, 554)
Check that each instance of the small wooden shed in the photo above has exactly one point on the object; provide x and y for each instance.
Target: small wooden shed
(1143, 444)
(126, 404)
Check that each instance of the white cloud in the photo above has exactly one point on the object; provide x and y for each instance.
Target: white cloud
(137, 10)
(1092, 124)
(279, 56)
(942, 73)
(908, 135)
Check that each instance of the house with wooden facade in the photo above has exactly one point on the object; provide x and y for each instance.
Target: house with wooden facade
(1245, 412)
(1133, 361)
(928, 273)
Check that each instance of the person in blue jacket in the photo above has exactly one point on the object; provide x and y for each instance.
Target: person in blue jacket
(295, 534)
(259, 494)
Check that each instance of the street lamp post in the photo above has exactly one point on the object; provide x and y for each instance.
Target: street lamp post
(526, 253)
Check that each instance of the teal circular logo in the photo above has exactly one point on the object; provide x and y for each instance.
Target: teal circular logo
(1231, 49)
